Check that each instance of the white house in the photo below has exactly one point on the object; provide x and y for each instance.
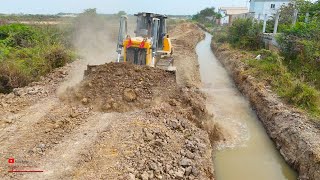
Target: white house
(269, 7)
(231, 13)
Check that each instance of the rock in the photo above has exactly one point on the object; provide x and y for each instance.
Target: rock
(130, 170)
(41, 146)
(159, 176)
(74, 114)
(171, 172)
(190, 145)
(185, 162)
(144, 176)
(8, 121)
(183, 152)
(153, 166)
(190, 155)
(188, 171)
(149, 136)
(33, 92)
(131, 176)
(10, 96)
(84, 101)
(129, 95)
(174, 124)
(195, 171)
(173, 102)
(106, 107)
(158, 142)
(151, 174)
(17, 92)
(3, 104)
(168, 168)
(63, 72)
(115, 105)
(180, 173)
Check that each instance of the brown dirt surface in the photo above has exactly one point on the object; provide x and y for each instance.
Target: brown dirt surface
(154, 134)
(123, 87)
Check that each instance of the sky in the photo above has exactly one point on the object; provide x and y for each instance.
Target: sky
(176, 7)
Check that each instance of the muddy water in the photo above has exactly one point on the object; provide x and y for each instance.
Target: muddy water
(247, 153)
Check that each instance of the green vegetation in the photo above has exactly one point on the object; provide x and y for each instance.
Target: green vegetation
(245, 34)
(121, 13)
(28, 52)
(293, 72)
(271, 70)
(300, 45)
(29, 17)
(207, 17)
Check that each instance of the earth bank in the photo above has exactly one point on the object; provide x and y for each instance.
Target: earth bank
(296, 137)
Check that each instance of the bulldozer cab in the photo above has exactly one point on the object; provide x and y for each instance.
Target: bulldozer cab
(150, 45)
(145, 26)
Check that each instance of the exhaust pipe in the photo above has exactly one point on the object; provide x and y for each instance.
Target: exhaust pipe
(119, 55)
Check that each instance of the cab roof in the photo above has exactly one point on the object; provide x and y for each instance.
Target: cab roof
(151, 15)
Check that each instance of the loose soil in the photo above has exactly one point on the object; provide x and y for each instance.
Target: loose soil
(121, 122)
(123, 87)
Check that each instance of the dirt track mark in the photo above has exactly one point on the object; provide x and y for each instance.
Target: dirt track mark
(22, 122)
(43, 134)
(63, 158)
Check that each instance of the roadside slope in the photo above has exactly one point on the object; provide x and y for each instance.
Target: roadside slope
(185, 37)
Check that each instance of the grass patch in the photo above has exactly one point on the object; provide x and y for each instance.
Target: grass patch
(271, 70)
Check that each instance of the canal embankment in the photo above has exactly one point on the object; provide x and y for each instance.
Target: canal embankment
(295, 135)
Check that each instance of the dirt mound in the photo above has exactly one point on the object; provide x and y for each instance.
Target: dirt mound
(185, 57)
(124, 87)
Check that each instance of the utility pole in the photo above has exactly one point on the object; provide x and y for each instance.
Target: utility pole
(306, 20)
(265, 23)
(253, 17)
(275, 29)
(295, 16)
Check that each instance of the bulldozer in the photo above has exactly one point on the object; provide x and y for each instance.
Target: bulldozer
(151, 45)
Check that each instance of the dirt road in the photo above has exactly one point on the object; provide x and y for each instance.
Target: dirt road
(64, 140)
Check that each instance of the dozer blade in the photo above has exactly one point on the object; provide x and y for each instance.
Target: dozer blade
(166, 64)
(90, 69)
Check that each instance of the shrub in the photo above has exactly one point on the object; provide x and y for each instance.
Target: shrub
(28, 52)
(300, 46)
(220, 35)
(57, 56)
(245, 34)
(12, 77)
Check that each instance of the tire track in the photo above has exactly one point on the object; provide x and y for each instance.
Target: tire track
(62, 159)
